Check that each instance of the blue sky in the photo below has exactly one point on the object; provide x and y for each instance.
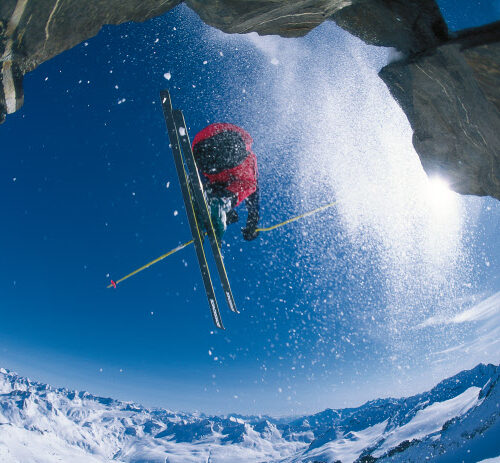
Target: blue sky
(463, 14)
(358, 302)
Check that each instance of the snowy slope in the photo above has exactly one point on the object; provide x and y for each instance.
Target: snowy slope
(42, 424)
(468, 437)
(458, 420)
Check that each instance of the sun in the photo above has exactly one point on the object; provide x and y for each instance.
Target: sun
(438, 194)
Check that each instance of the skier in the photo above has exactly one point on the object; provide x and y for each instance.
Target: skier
(229, 171)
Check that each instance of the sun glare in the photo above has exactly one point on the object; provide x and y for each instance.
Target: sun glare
(438, 194)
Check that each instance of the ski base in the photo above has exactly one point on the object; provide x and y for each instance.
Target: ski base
(196, 206)
(189, 206)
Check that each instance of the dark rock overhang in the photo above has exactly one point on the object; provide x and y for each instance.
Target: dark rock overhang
(447, 84)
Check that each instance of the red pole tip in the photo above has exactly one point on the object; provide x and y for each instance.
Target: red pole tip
(113, 283)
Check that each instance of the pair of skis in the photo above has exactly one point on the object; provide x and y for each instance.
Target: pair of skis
(196, 206)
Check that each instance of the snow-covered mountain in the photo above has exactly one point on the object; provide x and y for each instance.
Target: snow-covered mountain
(458, 420)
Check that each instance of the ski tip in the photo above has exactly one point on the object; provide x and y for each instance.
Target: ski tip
(230, 302)
(234, 309)
(112, 284)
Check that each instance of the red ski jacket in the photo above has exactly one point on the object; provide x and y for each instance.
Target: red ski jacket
(238, 172)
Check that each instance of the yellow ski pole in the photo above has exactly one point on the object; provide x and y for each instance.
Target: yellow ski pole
(187, 243)
(149, 264)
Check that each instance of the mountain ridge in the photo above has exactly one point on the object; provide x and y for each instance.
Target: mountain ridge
(84, 427)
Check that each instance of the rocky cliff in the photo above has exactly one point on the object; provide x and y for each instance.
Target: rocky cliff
(450, 94)
(447, 84)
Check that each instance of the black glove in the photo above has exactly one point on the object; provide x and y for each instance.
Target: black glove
(249, 233)
(232, 217)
